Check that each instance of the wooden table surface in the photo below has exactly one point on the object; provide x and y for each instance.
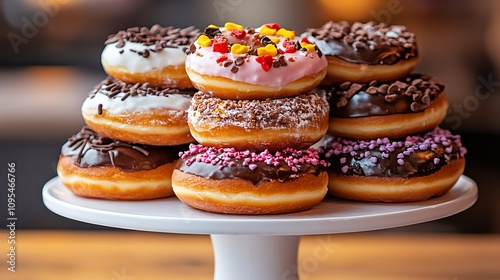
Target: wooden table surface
(129, 255)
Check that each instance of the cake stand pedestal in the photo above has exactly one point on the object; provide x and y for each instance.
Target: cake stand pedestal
(256, 247)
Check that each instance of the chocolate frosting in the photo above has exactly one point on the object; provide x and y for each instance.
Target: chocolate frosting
(112, 87)
(263, 172)
(414, 157)
(411, 94)
(367, 43)
(256, 167)
(156, 37)
(89, 149)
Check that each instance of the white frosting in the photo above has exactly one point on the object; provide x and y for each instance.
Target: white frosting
(136, 63)
(138, 103)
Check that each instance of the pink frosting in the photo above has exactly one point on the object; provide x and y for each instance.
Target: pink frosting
(299, 64)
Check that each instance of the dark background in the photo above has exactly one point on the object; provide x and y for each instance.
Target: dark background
(50, 60)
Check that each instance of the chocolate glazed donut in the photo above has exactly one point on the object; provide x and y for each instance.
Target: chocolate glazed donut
(362, 52)
(394, 109)
(225, 180)
(91, 165)
(413, 168)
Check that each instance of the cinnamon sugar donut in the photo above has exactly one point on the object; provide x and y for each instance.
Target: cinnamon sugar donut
(362, 52)
(234, 62)
(91, 165)
(394, 109)
(414, 168)
(275, 124)
(138, 113)
(153, 55)
(224, 180)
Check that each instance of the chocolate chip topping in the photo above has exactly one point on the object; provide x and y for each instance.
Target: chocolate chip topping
(411, 94)
(368, 43)
(111, 88)
(89, 149)
(156, 37)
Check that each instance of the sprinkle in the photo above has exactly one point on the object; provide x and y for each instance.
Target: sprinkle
(436, 161)
(288, 34)
(373, 159)
(239, 49)
(233, 26)
(345, 168)
(401, 161)
(267, 50)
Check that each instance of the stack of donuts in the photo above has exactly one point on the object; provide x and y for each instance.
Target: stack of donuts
(136, 117)
(225, 119)
(255, 119)
(385, 144)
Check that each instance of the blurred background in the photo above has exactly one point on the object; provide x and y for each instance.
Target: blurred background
(50, 60)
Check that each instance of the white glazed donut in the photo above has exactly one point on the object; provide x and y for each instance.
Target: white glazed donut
(153, 55)
(138, 113)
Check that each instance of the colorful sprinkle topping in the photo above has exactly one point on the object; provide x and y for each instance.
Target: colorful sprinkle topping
(269, 29)
(309, 47)
(227, 157)
(239, 49)
(289, 34)
(265, 61)
(204, 41)
(233, 26)
(413, 155)
(269, 49)
(269, 43)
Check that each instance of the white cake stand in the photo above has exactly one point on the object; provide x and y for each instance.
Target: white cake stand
(256, 247)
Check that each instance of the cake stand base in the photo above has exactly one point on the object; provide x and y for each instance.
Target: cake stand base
(263, 257)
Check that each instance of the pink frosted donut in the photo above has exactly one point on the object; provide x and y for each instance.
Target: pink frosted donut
(234, 62)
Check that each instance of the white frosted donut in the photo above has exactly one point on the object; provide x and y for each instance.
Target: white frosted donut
(138, 113)
(233, 62)
(155, 56)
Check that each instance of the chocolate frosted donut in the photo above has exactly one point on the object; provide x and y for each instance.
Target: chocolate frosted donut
(139, 113)
(394, 109)
(153, 55)
(92, 165)
(294, 122)
(362, 52)
(414, 168)
(226, 180)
